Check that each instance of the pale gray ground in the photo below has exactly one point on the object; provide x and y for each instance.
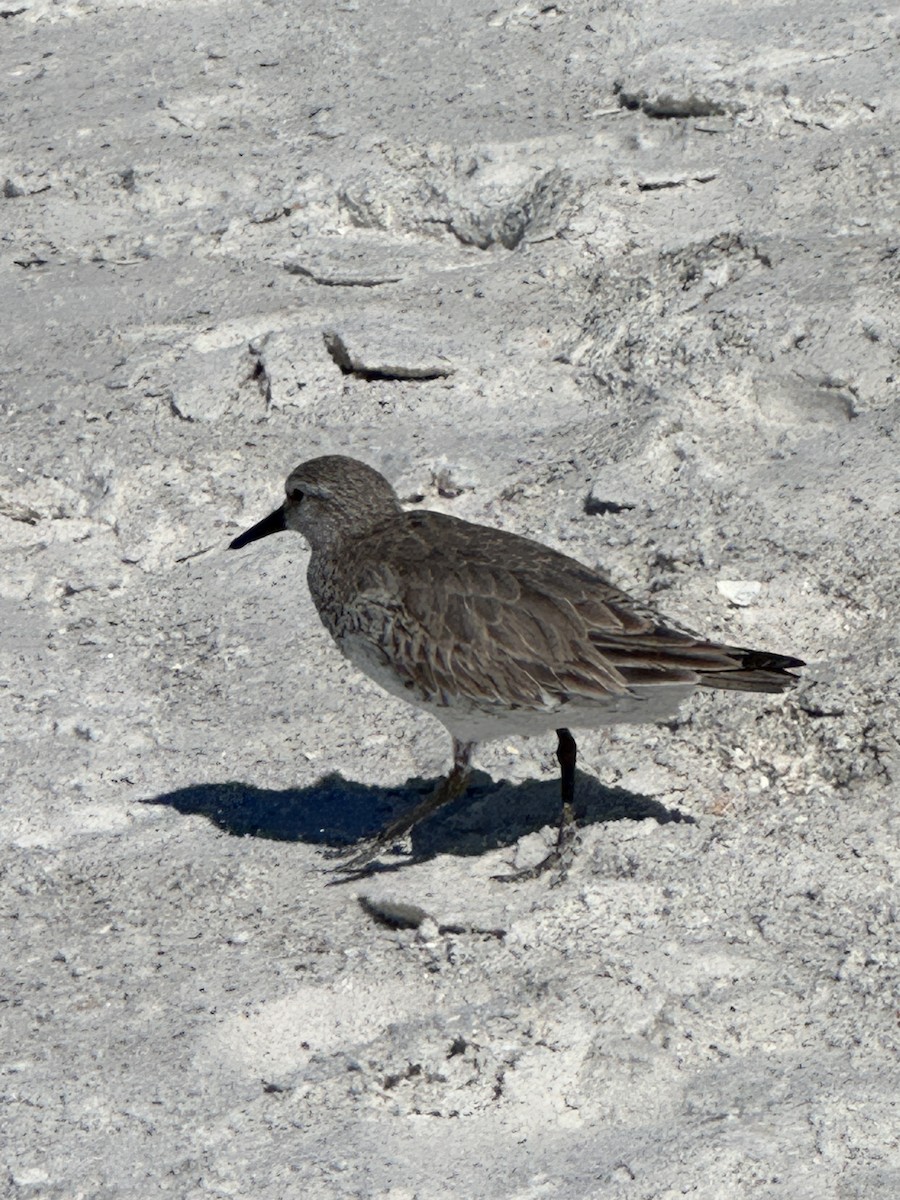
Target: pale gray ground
(643, 253)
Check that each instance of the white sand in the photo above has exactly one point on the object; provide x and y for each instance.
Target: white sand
(686, 306)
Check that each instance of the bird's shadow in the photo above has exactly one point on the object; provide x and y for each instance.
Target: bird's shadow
(337, 812)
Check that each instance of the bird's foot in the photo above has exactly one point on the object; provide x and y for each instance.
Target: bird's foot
(355, 859)
(558, 860)
(362, 854)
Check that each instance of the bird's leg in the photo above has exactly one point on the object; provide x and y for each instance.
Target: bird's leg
(560, 855)
(566, 755)
(448, 789)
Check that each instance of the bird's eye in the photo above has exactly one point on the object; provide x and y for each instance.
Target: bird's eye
(297, 495)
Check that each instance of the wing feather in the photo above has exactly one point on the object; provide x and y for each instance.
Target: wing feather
(468, 612)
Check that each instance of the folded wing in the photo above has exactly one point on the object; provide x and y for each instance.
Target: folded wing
(474, 613)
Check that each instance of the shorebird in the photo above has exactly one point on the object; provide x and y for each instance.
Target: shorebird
(490, 632)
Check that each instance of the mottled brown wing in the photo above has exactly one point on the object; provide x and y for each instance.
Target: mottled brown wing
(466, 611)
(502, 620)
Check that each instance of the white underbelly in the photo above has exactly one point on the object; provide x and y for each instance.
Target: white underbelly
(642, 705)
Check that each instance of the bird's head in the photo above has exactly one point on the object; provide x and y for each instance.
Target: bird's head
(328, 499)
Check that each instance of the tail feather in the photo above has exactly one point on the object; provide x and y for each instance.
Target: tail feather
(665, 655)
(753, 671)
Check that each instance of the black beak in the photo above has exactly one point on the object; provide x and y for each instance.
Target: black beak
(273, 523)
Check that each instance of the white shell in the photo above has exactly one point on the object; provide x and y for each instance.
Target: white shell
(740, 592)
